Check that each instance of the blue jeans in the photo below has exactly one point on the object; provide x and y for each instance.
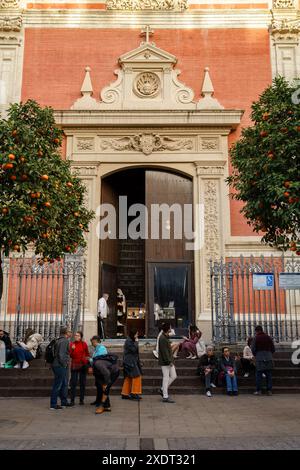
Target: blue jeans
(60, 386)
(231, 383)
(20, 354)
(268, 374)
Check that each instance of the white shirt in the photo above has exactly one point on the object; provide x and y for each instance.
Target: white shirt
(102, 308)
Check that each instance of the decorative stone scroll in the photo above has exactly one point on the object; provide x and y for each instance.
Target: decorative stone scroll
(9, 23)
(161, 5)
(147, 143)
(85, 143)
(280, 4)
(284, 27)
(9, 4)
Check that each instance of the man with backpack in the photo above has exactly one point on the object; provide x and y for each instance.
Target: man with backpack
(58, 355)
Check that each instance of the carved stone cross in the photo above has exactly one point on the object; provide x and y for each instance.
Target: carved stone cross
(147, 32)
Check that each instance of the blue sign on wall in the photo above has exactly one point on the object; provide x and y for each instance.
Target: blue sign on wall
(263, 281)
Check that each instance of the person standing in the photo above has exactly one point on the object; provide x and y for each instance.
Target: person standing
(132, 385)
(166, 361)
(228, 366)
(79, 354)
(102, 314)
(59, 367)
(263, 349)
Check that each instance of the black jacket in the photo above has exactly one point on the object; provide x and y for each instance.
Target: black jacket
(205, 362)
(165, 355)
(62, 352)
(131, 359)
(6, 340)
(224, 363)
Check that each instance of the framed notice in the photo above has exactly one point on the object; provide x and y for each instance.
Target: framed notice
(263, 281)
(289, 280)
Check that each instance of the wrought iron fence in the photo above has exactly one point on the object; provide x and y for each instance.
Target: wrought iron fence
(42, 296)
(238, 303)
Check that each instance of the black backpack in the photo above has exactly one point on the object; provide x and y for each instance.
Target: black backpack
(39, 352)
(50, 351)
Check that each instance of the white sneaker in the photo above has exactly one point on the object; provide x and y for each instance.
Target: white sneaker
(17, 366)
(208, 393)
(193, 357)
(246, 375)
(264, 376)
(189, 356)
(155, 353)
(25, 365)
(213, 386)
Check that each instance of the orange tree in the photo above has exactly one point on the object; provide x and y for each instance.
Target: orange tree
(266, 167)
(41, 201)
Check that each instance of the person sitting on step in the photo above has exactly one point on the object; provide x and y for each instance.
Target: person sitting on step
(26, 351)
(228, 367)
(208, 369)
(189, 344)
(248, 361)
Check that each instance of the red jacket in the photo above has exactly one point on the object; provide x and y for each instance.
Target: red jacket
(79, 355)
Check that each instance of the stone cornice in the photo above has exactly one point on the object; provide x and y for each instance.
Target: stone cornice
(240, 18)
(228, 119)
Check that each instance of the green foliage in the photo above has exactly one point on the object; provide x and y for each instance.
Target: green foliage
(41, 201)
(266, 167)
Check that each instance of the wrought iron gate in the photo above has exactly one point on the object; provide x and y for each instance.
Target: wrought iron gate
(42, 296)
(236, 307)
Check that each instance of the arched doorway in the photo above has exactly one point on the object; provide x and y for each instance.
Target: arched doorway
(145, 254)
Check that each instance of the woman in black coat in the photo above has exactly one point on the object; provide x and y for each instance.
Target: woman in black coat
(132, 385)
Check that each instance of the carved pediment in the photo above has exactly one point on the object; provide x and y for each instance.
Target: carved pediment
(145, 54)
(147, 79)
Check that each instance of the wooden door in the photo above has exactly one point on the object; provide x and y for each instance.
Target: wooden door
(168, 257)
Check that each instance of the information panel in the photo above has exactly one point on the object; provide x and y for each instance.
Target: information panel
(289, 280)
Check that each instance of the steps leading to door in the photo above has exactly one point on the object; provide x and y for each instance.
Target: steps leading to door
(36, 381)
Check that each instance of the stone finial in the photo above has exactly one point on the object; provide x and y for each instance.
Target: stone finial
(86, 101)
(87, 88)
(207, 91)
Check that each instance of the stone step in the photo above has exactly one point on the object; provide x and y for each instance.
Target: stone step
(149, 380)
(36, 372)
(147, 390)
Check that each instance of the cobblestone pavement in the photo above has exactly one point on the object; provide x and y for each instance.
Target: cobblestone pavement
(194, 422)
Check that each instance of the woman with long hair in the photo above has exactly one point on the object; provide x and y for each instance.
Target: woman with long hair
(132, 385)
(189, 344)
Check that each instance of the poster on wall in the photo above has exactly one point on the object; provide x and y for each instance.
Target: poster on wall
(289, 280)
(263, 281)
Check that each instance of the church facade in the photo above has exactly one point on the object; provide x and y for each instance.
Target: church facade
(150, 95)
